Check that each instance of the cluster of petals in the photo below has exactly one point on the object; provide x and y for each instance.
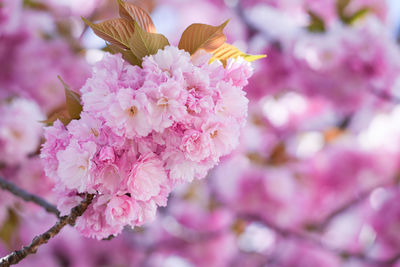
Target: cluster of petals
(31, 63)
(143, 131)
(345, 58)
(346, 64)
(16, 143)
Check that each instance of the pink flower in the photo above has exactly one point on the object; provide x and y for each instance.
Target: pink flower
(168, 104)
(56, 140)
(198, 78)
(147, 212)
(147, 178)
(107, 155)
(195, 145)
(93, 222)
(15, 141)
(75, 163)
(107, 179)
(183, 170)
(223, 136)
(87, 128)
(67, 201)
(129, 116)
(198, 103)
(232, 102)
(121, 210)
(238, 71)
(109, 76)
(171, 60)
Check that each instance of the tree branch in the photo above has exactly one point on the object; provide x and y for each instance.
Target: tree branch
(12, 188)
(342, 209)
(297, 235)
(19, 255)
(321, 226)
(383, 95)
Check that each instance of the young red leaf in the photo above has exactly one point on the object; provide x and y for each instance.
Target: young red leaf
(115, 31)
(61, 115)
(202, 36)
(72, 101)
(132, 13)
(127, 54)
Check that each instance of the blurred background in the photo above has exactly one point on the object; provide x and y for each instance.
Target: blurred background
(315, 181)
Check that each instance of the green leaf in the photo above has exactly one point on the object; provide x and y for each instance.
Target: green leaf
(61, 115)
(226, 51)
(116, 31)
(132, 13)
(317, 23)
(145, 43)
(341, 6)
(72, 101)
(72, 109)
(358, 15)
(10, 226)
(251, 58)
(127, 54)
(202, 36)
(31, 4)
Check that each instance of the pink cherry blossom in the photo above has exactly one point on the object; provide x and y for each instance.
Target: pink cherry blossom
(94, 223)
(107, 155)
(15, 141)
(147, 178)
(75, 164)
(129, 116)
(196, 145)
(238, 71)
(121, 210)
(57, 140)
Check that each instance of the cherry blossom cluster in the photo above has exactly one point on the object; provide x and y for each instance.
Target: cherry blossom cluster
(16, 142)
(25, 54)
(143, 131)
(346, 64)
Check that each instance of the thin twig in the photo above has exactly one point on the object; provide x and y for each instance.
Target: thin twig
(383, 95)
(321, 226)
(288, 233)
(19, 255)
(342, 209)
(12, 188)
